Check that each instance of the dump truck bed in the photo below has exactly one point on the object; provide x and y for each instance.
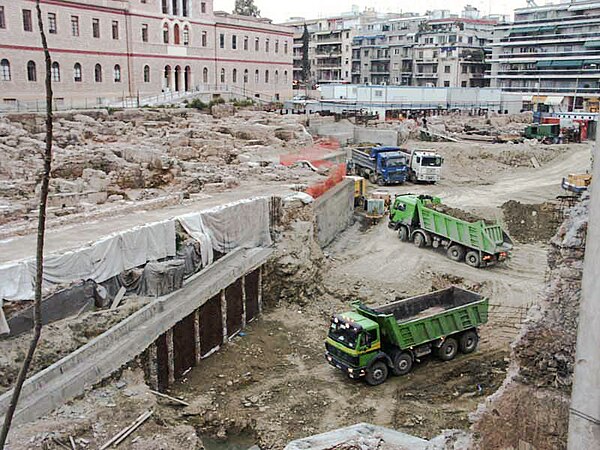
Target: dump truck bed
(424, 318)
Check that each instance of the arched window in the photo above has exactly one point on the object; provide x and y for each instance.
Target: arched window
(117, 73)
(77, 77)
(175, 4)
(146, 74)
(187, 78)
(256, 44)
(165, 6)
(222, 75)
(176, 39)
(276, 46)
(256, 76)
(165, 33)
(55, 71)
(205, 75)
(186, 35)
(277, 77)
(246, 76)
(266, 76)
(234, 76)
(31, 72)
(98, 73)
(5, 69)
(185, 7)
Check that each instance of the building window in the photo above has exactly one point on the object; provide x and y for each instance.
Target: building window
(277, 77)
(276, 46)
(285, 47)
(245, 42)
(175, 7)
(115, 29)
(2, 18)
(77, 73)
(234, 42)
(267, 45)
(166, 33)
(221, 40)
(203, 7)
(256, 77)
(185, 8)
(55, 71)
(75, 26)
(52, 23)
(204, 38)
(117, 73)
(31, 72)
(256, 44)
(165, 6)
(96, 28)
(446, 84)
(144, 32)
(285, 76)
(266, 76)
(245, 76)
(146, 74)
(5, 70)
(464, 69)
(27, 24)
(222, 75)
(463, 84)
(176, 37)
(234, 76)
(446, 69)
(98, 73)
(186, 35)
(205, 75)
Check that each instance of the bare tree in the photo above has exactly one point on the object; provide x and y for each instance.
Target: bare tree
(37, 305)
(246, 8)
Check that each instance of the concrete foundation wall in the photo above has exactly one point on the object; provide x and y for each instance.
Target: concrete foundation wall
(152, 326)
(334, 211)
(375, 136)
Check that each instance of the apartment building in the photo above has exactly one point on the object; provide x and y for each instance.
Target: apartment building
(550, 54)
(129, 48)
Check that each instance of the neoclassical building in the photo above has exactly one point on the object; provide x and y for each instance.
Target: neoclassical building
(104, 50)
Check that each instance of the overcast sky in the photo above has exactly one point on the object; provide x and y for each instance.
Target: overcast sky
(281, 10)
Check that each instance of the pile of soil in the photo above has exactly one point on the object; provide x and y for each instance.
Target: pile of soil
(528, 223)
(460, 214)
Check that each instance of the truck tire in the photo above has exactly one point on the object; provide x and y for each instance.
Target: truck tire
(468, 342)
(456, 252)
(448, 349)
(402, 363)
(403, 233)
(419, 240)
(372, 178)
(473, 259)
(377, 374)
(380, 181)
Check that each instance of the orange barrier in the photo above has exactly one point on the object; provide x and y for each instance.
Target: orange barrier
(336, 176)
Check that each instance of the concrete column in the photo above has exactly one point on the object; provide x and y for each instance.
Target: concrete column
(171, 357)
(152, 368)
(243, 302)
(197, 335)
(224, 314)
(584, 419)
(260, 277)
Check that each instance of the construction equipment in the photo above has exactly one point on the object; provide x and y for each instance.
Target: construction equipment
(423, 220)
(381, 165)
(577, 183)
(424, 165)
(372, 342)
(360, 189)
(546, 133)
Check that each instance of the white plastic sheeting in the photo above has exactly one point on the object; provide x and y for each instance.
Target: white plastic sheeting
(240, 224)
(99, 261)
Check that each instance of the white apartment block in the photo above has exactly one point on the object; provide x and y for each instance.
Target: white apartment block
(551, 55)
(103, 50)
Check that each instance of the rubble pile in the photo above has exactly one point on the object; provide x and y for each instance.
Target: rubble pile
(531, 223)
(533, 405)
(495, 125)
(138, 155)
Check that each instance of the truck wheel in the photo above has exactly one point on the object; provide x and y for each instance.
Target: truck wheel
(448, 349)
(456, 252)
(380, 181)
(402, 363)
(372, 178)
(377, 374)
(419, 240)
(473, 259)
(403, 233)
(468, 342)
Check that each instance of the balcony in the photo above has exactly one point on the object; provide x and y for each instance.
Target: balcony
(426, 75)
(336, 54)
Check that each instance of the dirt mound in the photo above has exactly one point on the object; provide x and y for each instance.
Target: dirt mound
(460, 214)
(531, 223)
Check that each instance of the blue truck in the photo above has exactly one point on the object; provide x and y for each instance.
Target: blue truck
(381, 165)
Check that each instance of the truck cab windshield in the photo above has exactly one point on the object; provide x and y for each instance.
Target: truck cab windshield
(398, 162)
(340, 332)
(430, 161)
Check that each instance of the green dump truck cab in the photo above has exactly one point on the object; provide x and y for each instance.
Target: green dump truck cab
(370, 343)
(477, 243)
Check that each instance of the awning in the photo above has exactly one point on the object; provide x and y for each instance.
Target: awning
(527, 98)
(568, 64)
(592, 44)
(548, 28)
(554, 101)
(524, 30)
(538, 99)
(544, 63)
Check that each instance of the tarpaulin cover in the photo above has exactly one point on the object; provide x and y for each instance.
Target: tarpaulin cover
(241, 224)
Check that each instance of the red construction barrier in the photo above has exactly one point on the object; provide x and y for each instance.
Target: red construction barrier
(337, 174)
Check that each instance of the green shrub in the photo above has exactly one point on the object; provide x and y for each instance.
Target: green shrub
(197, 104)
(243, 103)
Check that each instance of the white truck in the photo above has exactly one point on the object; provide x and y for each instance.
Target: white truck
(424, 165)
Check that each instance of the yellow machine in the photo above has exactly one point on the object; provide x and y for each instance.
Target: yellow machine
(360, 189)
(577, 183)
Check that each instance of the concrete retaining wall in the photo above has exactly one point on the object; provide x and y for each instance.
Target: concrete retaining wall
(105, 354)
(375, 136)
(334, 211)
(347, 133)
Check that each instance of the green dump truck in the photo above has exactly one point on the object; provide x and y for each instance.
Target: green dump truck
(372, 342)
(420, 219)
